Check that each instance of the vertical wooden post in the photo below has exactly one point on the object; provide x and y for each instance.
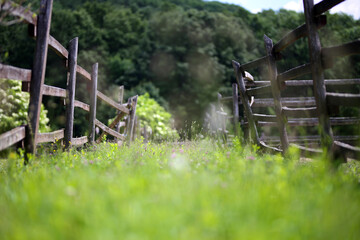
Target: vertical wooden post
(121, 94)
(93, 102)
(38, 76)
(246, 103)
(235, 99)
(70, 92)
(222, 118)
(318, 75)
(121, 99)
(131, 119)
(275, 88)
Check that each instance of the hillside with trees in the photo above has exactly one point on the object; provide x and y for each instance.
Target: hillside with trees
(178, 51)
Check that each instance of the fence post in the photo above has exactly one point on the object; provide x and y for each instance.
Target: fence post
(93, 101)
(70, 92)
(275, 88)
(121, 99)
(318, 75)
(246, 103)
(38, 76)
(131, 119)
(222, 118)
(235, 108)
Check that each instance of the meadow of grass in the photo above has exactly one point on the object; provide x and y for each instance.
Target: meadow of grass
(195, 190)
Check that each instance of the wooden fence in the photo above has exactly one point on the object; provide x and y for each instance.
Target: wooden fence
(33, 82)
(298, 110)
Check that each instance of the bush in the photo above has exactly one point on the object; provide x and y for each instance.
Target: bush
(14, 107)
(155, 118)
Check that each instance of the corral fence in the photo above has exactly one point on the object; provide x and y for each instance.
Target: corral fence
(33, 82)
(294, 108)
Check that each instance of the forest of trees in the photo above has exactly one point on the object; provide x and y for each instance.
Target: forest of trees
(179, 51)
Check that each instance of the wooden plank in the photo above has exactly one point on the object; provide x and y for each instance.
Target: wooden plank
(275, 88)
(235, 108)
(334, 121)
(53, 91)
(254, 64)
(58, 48)
(306, 149)
(330, 82)
(256, 83)
(294, 72)
(343, 99)
(246, 103)
(108, 130)
(264, 117)
(15, 73)
(324, 6)
(300, 112)
(38, 75)
(83, 72)
(82, 105)
(287, 102)
(70, 98)
(295, 83)
(296, 34)
(259, 90)
(50, 137)
(112, 125)
(342, 50)
(93, 98)
(79, 141)
(112, 103)
(347, 147)
(11, 137)
(19, 11)
(307, 139)
(318, 75)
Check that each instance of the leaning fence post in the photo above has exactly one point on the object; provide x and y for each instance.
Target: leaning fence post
(235, 99)
(38, 76)
(93, 102)
(318, 75)
(245, 101)
(70, 92)
(275, 88)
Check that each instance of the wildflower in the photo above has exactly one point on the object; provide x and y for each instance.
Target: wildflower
(251, 158)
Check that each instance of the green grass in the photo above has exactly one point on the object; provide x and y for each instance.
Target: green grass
(195, 191)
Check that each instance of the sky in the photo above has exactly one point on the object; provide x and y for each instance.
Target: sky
(351, 7)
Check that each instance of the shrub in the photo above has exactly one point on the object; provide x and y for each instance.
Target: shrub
(155, 118)
(14, 106)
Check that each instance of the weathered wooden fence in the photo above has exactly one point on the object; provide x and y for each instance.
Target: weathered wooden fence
(297, 110)
(33, 82)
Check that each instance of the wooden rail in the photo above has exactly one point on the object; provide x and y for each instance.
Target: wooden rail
(109, 130)
(50, 137)
(112, 103)
(11, 137)
(10, 72)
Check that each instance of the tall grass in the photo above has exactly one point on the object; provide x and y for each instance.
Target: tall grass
(197, 190)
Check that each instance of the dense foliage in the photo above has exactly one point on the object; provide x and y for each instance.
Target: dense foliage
(14, 107)
(155, 119)
(190, 191)
(179, 50)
